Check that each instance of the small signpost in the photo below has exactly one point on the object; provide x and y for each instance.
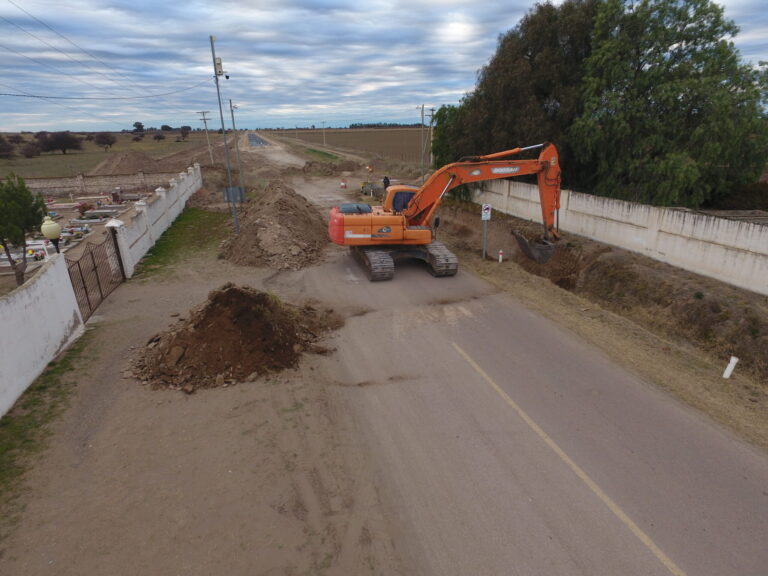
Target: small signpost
(485, 216)
(234, 194)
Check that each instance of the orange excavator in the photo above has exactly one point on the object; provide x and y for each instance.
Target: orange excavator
(402, 227)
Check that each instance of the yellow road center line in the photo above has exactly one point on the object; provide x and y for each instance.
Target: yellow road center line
(612, 506)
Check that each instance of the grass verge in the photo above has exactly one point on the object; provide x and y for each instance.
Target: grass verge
(195, 230)
(321, 155)
(24, 430)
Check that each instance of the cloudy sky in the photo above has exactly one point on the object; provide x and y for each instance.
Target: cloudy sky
(105, 64)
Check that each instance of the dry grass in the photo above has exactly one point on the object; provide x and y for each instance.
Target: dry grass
(672, 327)
(53, 164)
(382, 144)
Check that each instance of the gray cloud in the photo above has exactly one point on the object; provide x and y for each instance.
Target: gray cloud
(294, 62)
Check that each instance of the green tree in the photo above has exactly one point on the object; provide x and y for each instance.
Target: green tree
(448, 136)
(20, 214)
(6, 148)
(671, 115)
(105, 140)
(530, 90)
(30, 150)
(185, 130)
(61, 141)
(138, 127)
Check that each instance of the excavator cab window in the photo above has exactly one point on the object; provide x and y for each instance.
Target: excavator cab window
(400, 200)
(355, 208)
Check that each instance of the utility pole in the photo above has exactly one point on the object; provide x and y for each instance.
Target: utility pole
(421, 147)
(207, 139)
(429, 135)
(218, 70)
(237, 146)
(323, 132)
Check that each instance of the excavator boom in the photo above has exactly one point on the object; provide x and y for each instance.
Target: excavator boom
(422, 206)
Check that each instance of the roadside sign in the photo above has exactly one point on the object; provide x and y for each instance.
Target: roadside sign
(234, 194)
(486, 213)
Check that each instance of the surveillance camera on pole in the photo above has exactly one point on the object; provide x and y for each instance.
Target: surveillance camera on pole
(232, 194)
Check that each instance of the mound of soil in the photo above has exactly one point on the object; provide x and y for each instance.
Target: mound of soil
(238, 334)
(278, 228)
(330, 168)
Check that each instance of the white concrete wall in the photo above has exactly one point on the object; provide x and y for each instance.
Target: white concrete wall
(84, 184)
(728, 250)
(136, 235)
(39, 320)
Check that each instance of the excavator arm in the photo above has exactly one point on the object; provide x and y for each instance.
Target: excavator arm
(546, 167)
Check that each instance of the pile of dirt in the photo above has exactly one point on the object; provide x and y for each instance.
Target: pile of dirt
(330, 168)
(278, 228)
(238, 334)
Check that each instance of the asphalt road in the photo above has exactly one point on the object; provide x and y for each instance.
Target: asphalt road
(504, 445)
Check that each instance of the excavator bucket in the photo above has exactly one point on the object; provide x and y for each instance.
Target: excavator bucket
(539, 250)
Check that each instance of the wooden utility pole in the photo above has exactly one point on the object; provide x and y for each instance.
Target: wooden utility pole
(207, 139)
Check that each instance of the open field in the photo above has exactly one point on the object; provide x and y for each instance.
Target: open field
(52, 164)
(392, 144)
(400, 144)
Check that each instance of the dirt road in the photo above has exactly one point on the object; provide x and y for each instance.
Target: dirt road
(451, 431)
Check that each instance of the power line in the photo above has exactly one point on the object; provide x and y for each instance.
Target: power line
(83, 50)
(131, 83)
(55, 48)
(44, 65)
(27, 95)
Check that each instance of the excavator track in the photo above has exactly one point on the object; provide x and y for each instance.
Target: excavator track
(442, 262)
(378, 263)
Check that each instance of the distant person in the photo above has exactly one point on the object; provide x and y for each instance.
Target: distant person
(385, 180)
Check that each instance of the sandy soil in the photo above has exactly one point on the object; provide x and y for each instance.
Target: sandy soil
(266, 476)
(138, 465)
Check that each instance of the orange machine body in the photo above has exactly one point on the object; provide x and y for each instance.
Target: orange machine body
(406, 215)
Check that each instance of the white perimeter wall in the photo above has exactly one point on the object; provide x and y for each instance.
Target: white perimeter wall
(138, 233)
(41, 318)
(728, 250)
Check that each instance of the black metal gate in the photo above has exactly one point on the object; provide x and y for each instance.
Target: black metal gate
(95, 274)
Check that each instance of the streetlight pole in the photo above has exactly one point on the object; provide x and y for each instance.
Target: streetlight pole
(237, 145)
(219, 71)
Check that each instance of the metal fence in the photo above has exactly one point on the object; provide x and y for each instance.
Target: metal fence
(95, 274)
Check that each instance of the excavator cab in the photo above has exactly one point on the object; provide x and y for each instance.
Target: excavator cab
(398, 197)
